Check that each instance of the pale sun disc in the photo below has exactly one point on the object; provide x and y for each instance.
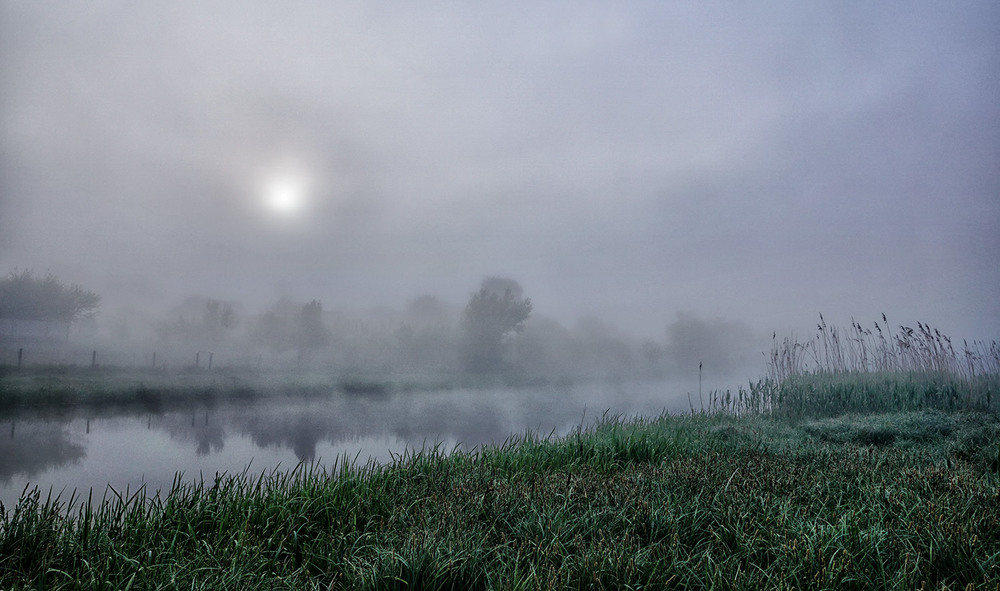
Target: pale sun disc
(285, 196)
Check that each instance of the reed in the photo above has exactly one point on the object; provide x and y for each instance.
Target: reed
(878, 349)
(698, 501)
(865, 460)
(879, 370)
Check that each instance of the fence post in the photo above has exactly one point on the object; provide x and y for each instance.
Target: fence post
(197, 359)
(93, 359)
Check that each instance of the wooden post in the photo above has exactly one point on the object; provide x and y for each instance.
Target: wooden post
(197, 359)
(699, 378)
(93, 359)
(699, 386)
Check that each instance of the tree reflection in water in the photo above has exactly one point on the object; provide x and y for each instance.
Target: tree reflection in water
(41, 441)
(36, 446)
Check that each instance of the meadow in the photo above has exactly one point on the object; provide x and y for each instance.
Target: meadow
(820, 476)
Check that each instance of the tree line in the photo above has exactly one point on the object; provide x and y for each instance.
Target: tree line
(492, 316)
(497, 331)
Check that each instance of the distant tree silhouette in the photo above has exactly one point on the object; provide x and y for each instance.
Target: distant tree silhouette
(26, 297)
(276, 328)
(201, 322)
(312, 334)
(217, 318)
(501, 285)
(493, 315)
(288, 326)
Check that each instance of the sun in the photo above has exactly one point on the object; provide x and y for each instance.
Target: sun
(285, 196)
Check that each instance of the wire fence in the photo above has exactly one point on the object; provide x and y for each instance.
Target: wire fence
(54, 355)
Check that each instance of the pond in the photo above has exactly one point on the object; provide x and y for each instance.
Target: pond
(84, 448)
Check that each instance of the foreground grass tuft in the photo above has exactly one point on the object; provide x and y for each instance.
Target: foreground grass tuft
(891, 501)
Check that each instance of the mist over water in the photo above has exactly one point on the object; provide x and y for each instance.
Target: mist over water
(599, 203)
(84, 448)
(211, 386)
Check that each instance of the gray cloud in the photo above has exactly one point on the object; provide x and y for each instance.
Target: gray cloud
(760, 163)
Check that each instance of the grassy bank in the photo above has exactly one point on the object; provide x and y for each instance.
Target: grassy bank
(890, 501)
(42, 388)
(835, 473)
(55, 386)
(71, 385)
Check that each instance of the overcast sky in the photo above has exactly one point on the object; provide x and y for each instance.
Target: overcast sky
(761, 162)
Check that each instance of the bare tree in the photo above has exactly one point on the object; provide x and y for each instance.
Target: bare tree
(26, 297)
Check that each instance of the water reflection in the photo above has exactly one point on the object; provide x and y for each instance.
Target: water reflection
(300, 430)
(205, 428)
(36, 446)
(149, 443)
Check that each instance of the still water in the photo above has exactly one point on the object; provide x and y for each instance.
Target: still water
(83, 448)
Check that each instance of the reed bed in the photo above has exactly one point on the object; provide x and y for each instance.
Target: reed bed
(878, 369)
(865, 460)
(923, 350)
(697, 501)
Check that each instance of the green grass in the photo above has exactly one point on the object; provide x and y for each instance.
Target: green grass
(861, 370)
(834, 393)
(874, 466)
(45, 387)
(151, 389)
(68, 385)
(889, 501)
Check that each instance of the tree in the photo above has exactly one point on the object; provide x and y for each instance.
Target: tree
(26, 297)
(290, 326)
(312, 333)
(218, 317)
(493, 315)
(276, 328)
(201, 322)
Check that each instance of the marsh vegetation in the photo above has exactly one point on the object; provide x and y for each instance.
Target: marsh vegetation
(879, 369)
(695, 501)
(828, 476)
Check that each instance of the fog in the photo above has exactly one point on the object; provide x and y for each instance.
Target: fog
(669, 184)
(423, 346)
(148, 441)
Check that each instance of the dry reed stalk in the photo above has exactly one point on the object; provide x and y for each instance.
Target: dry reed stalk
(923, 349)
